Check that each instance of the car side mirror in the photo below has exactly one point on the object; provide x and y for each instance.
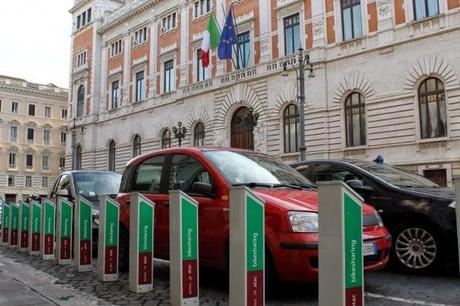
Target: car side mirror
(202, 188)
(62, 193)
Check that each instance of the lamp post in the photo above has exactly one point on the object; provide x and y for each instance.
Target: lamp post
(304, 63)
(73, 144)
(179, 132)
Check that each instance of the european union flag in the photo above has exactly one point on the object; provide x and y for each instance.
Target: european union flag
(227, 38)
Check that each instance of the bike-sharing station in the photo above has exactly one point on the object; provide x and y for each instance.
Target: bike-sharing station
(109, 231)
(24, 214)
(341, 272)
(34, 228)
(13, 225)
(48, 229)
(340, 247)
(141, 233)
(64, 231)
(83, 239)
(184, 249)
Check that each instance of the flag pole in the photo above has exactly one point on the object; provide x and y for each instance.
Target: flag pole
(236, 32)
(233, 47)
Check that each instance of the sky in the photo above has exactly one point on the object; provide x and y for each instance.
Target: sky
(35, 40)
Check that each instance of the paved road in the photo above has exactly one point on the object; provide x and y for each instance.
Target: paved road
(26, 280)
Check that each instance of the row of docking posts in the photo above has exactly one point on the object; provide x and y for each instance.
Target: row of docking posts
(49, 230)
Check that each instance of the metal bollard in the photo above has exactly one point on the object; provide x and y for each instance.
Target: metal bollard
(34, 228)
(109, 230)
(341, 272)
(83, 236)
(48, 229)
(141, 230)
(64, 223)
(247, 248)
(183, 249)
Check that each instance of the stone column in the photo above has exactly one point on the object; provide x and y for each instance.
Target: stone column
(127, 68)
(184, 43)
(151, 78)
(265, 31)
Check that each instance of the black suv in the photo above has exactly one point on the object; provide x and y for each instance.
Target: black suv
(419, 213)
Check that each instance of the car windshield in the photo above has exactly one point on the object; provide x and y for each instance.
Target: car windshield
(395, 176)
(244, 168)
(90, 184)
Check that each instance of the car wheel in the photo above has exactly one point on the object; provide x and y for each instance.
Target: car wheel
(416, 248)
(123, 250)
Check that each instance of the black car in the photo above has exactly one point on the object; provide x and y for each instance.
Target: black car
(91, 185)
(419, 213)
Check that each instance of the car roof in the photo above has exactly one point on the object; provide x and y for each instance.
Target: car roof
(87, 171)
(190, 149)
(354, 162)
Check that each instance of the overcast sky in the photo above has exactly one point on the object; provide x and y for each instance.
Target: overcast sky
(35, 40)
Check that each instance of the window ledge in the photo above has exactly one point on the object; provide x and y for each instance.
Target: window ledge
(137, 46)
(429, 140)
(355, 148)
(351, 41)
(198, 18)
(417, 21)
(168, 31)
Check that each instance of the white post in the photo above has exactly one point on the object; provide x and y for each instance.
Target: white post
(141, 229)
(83, 234)
(24, 226)
(34, 228)
(183, 249)
(457, 209)
(64, 223)
(247, 248)
(109, 229)
(48, 229)
(340, 246)
(13, 225)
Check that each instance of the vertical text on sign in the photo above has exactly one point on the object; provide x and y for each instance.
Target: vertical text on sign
(353, 252)
(189, 216)
(14, 209)
(24, 225)
(5, 223)
(145, 230)
(49, 224)
(66, 229)
(112, 214)
(255, 251)
(85, 226)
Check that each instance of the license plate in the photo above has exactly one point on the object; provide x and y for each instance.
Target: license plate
(369, 249)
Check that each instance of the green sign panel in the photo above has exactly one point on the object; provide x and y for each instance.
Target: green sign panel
(85, 219)
(36, 217)
(353, 251)
(112, 213)
(145, 227)
(14, 217)
(49, 219)
(189, 229)
(255, 234)
(66, 218)
(5, 216)
(24, 216)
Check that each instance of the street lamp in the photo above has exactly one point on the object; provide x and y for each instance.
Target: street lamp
(304, 63)
(179, 132)
(74, 140)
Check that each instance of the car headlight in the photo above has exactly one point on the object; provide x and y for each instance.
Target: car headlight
(379, 219)
(453, 204)
(303, 222)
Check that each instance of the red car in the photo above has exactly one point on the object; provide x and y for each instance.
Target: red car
(206, 174)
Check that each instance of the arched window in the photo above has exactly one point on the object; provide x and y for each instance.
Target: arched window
(355, 120)
(291, 128)
(78, 157)
(112, 151)
(80, 100)
(242, 133)
(432, 104)
(198, 135)
(136, 146)
(166, 139)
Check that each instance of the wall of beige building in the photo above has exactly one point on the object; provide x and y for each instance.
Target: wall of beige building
(17, 180)
(386, 67)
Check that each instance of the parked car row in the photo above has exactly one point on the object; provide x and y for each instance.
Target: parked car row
(418, 213)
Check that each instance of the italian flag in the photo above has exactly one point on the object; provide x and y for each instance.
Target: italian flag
(210, 40)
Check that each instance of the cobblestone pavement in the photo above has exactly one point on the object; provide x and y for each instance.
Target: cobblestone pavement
(50, 284)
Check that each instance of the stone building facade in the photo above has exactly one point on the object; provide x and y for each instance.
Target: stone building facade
(33, 127)
(386, 80)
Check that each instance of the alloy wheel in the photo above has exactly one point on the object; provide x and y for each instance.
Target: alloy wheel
(416, 248)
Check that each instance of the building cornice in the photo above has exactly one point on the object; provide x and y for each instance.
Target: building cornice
(35, 92)
(81, 3)
(124, 13)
